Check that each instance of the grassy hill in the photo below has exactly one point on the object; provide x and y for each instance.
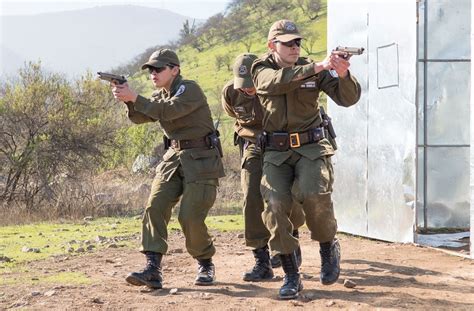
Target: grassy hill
(250, 20)
(96, 133)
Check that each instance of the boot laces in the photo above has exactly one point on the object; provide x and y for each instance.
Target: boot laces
(206, 269)
(291, 280)
(260, 266)
(151, 264)
(326, 256)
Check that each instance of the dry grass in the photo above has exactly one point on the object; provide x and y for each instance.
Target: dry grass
(115, 193)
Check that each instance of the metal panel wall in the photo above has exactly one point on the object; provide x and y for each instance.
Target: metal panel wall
(448, 187)
(350, 161)
(444, 119)
(472, 142)
(379, 133)
(392, 121)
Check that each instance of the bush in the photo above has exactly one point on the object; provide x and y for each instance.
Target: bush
(50, 128)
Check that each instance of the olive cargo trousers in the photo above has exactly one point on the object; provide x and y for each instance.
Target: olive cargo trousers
(197, 199)
(256, 233)
(309, 182)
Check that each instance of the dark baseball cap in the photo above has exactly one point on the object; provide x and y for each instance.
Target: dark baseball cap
(284, 30)
(242, 65)
(161, 58)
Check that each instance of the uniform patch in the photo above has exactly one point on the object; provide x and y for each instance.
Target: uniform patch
(180, 90)
(308, 85)
(239, 109)
(243, 70)
(333, 73)
(290, 26)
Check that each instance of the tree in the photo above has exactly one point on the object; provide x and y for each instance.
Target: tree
(310, 8)
(220, 60)
(187, 34)
(309, 41)
(50, 128)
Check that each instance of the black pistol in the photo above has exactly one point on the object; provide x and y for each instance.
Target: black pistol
(115, 79)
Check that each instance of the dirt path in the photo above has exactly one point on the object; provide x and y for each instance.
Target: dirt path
(388, 276)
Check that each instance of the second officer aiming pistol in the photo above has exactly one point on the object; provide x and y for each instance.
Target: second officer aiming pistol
(346, 52)
(116, 79)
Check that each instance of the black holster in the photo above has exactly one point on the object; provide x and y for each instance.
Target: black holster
(328, 127)
(166, 142)
(215, 142)
(262, 141)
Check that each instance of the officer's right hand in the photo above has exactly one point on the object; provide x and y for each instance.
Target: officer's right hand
(124, 93)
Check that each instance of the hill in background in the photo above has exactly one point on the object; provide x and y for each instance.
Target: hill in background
(207, 52)
(97, 38)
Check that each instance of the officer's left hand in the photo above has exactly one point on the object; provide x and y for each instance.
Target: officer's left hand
(340, 65)
(124, 93)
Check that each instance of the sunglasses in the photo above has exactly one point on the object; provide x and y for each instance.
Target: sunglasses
(290, 44)
(151, 70)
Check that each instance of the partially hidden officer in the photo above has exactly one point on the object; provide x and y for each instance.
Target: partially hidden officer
(189, 171)
(240, 102)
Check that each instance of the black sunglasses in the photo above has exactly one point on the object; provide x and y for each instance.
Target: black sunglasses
(290, 44)
(151, 70)
(158, 70)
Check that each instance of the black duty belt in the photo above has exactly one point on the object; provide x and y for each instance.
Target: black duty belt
(189, 143)
(283, 141)
(210, 141)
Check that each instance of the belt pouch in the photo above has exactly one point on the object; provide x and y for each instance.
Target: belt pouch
(280, 141)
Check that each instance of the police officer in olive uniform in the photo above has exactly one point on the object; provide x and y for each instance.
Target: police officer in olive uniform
(190, 168)
(240, 102)
(297, 149)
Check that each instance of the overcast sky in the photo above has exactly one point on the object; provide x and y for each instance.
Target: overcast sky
(193, 8)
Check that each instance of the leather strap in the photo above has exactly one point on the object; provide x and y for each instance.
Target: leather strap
(189, 143)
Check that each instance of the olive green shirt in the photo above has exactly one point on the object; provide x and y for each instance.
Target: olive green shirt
(290, 99)
(184, 114)
(246, 109)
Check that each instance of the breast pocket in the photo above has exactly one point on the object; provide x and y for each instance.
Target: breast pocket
(308, 96)
(244, 113)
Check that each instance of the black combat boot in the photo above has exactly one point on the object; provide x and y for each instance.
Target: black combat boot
(299, 256)
(262, 269)
(292, 282)
(150, 276)
(275, 260)
(330, 260)
(206, 272)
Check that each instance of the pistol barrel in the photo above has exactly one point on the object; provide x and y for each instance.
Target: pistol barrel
(349, 50)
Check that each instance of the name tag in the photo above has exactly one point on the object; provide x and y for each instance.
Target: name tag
(308, 85)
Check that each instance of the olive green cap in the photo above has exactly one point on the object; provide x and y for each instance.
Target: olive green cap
(161, 58)
(242, 65)
(284, 31)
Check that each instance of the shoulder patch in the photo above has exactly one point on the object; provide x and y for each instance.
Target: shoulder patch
(289, 26)
(243, 70)
(180, 90)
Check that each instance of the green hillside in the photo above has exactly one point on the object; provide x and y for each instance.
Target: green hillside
(58, 134)
(207, 53)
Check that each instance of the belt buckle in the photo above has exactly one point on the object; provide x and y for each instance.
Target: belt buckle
(294, 140)
(177, 145)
